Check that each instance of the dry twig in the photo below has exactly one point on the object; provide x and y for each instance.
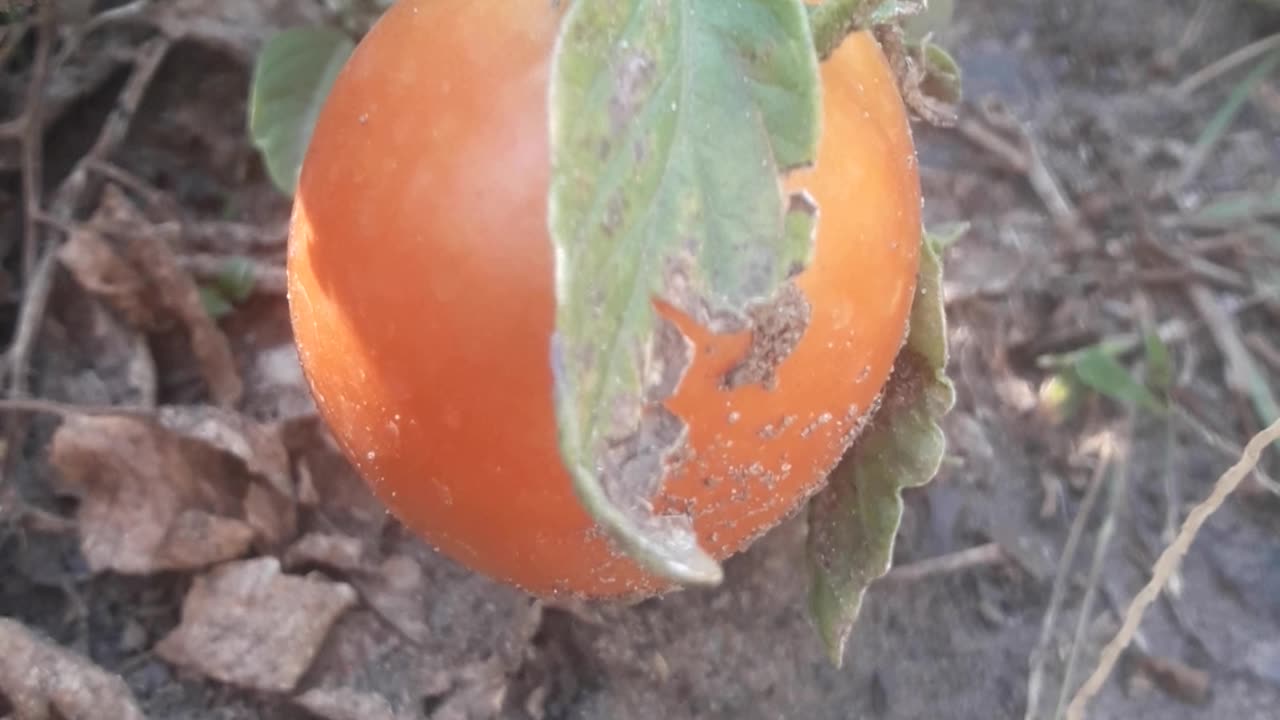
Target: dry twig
(980, 556)
(1025, 158)
(32, 128)
(1243, 376)
(1168, 562)
(1119, 474)
(1041, 653)
(1224, 65)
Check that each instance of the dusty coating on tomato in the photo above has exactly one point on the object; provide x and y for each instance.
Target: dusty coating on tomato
(421, 287)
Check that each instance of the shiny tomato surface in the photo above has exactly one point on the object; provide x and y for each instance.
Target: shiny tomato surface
(421, 291)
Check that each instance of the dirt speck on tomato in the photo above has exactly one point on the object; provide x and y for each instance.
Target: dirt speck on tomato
(777, 327)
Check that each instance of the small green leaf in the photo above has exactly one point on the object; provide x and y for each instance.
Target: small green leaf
(943, 79)
(291, 80)
(1102, 372)
(854, 521)
(672, 124)
(215, 303)
(236, 279)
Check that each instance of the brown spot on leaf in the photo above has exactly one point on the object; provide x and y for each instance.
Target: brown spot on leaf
(633, 75)
(776, 329)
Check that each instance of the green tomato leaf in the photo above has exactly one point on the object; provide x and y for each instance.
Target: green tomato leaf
(291, 80)
(854, 520)
(672, 124)
(1103, 373)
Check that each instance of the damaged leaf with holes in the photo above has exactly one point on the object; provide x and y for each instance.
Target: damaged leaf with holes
(671, 126)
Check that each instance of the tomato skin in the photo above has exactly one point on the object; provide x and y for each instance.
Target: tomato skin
(421, 294)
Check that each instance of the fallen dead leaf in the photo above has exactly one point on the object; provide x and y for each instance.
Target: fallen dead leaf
(150, 500)
(258, 446)
(269, 506)
(480, 690)
(149, 248)
(328, 550)
(42, 681)
(196, 536)
(347, 704)
(273, 516)
(248, 624)
(94, 358)
(365, 657)
(98, 269)
(152, 249)
(396, 590)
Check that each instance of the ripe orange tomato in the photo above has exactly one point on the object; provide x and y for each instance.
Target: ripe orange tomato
(422, 299)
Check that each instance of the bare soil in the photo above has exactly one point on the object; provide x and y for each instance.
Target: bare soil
(1070, 130)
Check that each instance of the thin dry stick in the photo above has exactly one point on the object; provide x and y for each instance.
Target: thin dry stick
(1025, 158)
(33, 138)
(1168, 562)
(1118, 475)
(1219, 67)
(1244, 377)
(980, 556)
(1041, 653)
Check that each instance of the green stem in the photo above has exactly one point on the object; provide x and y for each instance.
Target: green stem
(834, 20)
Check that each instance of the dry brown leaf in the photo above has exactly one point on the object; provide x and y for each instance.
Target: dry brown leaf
(480, 690)
(147, 495)
(396, 590)
(347, 704)
(248, 624)
(269, 505)
(273, 516)
(45, 682)
(196, 536)
(149, 247)
(259, 447)
(328, 550)
(152, 249)
(95, 265)
(364, 656)
(93, 358)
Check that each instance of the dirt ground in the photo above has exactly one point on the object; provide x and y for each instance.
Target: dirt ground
(1086, 148)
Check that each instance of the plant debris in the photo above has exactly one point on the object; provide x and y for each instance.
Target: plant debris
(150, 500)
(43, 681)
(248, 624)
